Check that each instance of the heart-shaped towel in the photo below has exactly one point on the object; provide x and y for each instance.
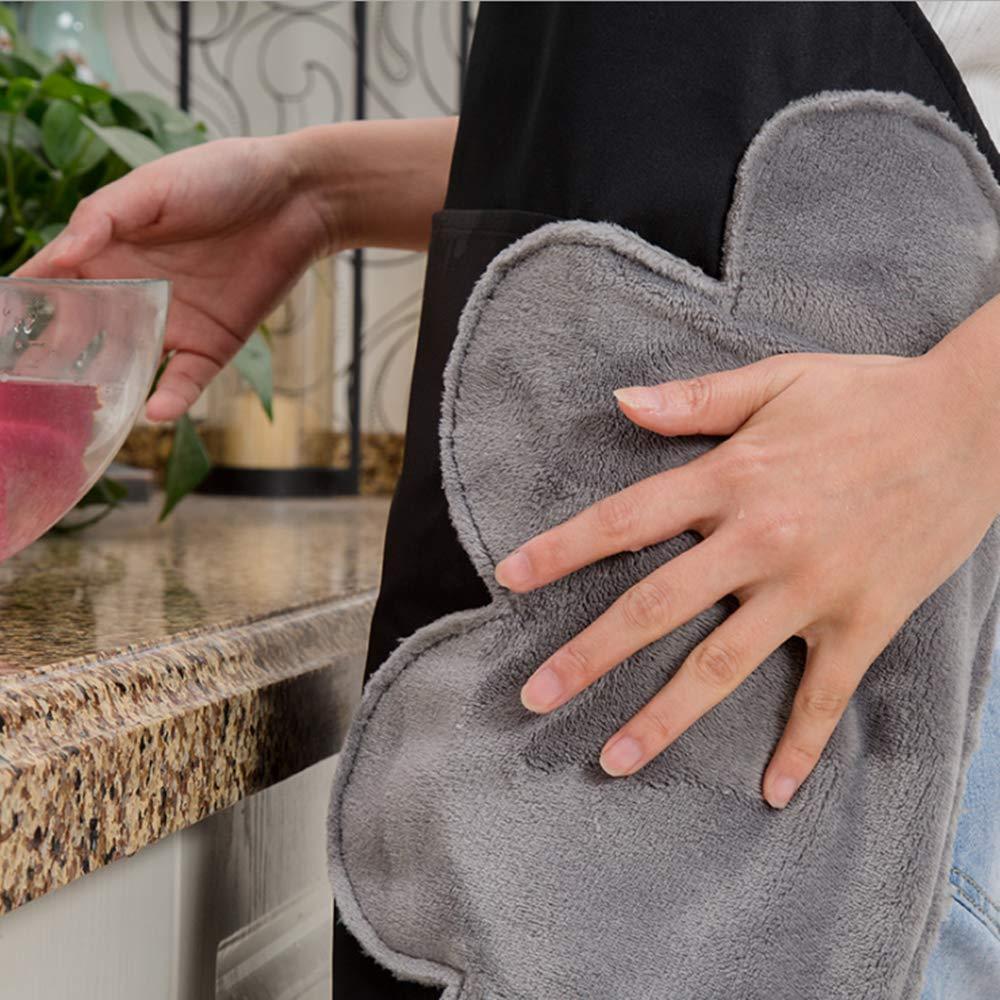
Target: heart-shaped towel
(478, 847)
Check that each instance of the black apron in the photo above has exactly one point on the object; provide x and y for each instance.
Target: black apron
(634, 113)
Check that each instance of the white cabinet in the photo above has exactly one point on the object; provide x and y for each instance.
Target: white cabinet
(240, 900)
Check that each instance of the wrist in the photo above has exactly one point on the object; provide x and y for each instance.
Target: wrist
(967, 363)
(373, 183)
(317, 185)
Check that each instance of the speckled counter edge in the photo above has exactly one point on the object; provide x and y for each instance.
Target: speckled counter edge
(101, 757)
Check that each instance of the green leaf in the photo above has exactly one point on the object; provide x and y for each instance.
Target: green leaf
(8, 22)
(88, 154)
(172, 129)
(254, 363)
(33, 238)
(20, 90)
(12, 66)
(171, 140)
(133, 147)
(51, 231)
(154, 111)
(58, 84)
(105, 491)
(160, 369)
(70, 146)
(61, 132)
(37, 60)
(66, 66)
(103, 115)
(26, 133)
(109, 170)
(126, 117)
(187, 464)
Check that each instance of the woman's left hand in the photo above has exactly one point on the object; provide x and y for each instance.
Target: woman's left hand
(850, 488)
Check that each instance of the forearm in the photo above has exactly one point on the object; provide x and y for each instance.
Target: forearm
(969, 359)
(374, 183)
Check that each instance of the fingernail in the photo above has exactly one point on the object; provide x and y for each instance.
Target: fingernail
(639, 397)
(158, 400)
(542, 691)
(621, 755)
(514, 571)
(782, 790)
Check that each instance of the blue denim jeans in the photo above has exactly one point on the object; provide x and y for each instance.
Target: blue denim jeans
(965, 963)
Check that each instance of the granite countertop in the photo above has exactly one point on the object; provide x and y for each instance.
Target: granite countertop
(153, 674)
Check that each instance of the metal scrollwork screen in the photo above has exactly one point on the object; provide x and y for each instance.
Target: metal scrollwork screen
(260, 68)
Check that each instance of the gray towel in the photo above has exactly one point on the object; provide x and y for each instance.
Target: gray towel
(479, 847)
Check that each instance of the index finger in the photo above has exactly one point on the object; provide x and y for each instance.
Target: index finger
(50, 262)
(650, 511)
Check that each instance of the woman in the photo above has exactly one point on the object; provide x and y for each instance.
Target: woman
(583, 111)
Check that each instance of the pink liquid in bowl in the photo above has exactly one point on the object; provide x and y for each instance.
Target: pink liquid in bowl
(44, 430)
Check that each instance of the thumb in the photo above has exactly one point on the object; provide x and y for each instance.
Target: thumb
(184, 377)
(716, 403)
(198, 347)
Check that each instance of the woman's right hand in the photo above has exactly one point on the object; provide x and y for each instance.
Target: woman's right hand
(229, 223)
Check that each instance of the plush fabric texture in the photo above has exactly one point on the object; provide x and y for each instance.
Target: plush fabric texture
(479, 847)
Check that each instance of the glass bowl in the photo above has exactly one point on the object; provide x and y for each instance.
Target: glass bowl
(76, 362)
